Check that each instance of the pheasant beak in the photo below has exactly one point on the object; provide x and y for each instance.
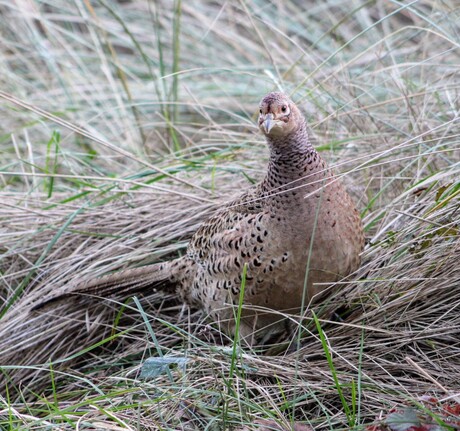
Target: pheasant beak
(268, 123)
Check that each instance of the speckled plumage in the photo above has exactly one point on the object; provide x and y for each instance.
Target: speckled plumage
(270, 228)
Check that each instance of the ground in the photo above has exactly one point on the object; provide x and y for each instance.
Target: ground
(126, 123)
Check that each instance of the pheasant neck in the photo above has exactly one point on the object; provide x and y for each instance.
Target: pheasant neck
(292, 159)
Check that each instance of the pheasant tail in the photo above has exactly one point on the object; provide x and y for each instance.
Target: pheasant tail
(161, 276)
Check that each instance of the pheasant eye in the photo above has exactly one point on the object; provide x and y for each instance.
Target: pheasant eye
(284, 108)
(260, 111)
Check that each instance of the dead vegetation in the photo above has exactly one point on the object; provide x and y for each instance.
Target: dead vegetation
(381, 87)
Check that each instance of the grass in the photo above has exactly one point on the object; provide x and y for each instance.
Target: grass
(124, 124)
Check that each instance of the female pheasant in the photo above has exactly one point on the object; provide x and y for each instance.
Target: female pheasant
(297, 231)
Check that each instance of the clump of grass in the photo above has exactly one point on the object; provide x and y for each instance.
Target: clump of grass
(125, 124)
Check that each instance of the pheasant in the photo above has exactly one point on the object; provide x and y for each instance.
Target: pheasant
(295, 233)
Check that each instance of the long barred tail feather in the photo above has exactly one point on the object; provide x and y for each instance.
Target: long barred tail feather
(122, 284)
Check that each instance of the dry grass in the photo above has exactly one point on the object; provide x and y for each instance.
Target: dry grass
(155, 115)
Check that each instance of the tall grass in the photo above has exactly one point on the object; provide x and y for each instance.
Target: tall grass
(125, 123)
